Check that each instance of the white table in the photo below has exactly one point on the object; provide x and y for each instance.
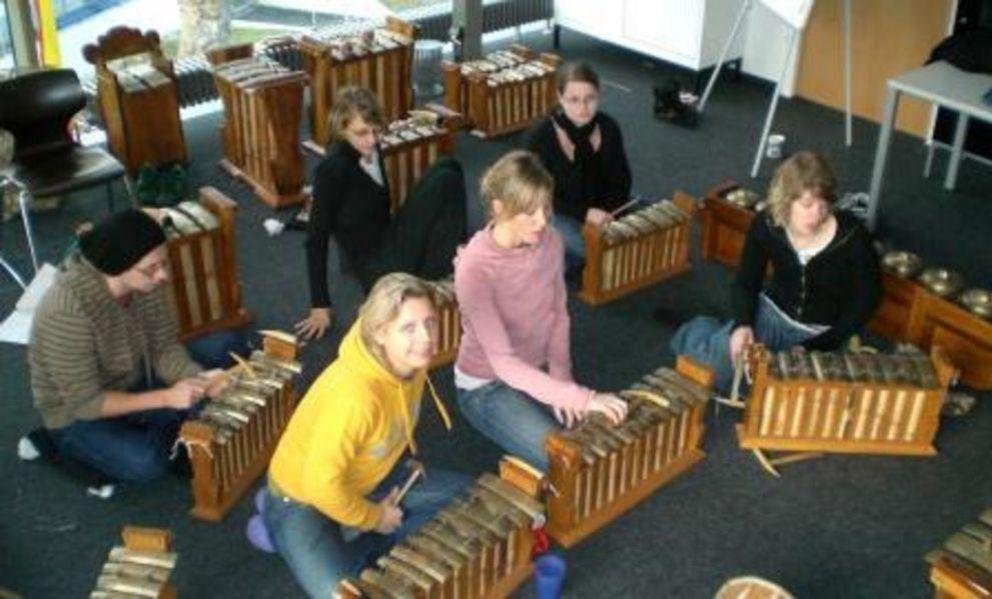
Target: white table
(944, 85)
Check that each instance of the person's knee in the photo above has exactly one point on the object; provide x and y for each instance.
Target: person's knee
(214, 350)
(142, 467)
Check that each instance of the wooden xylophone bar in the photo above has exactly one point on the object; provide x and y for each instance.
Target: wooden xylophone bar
(479, 545)
(636, 251)
(203, 266)
(233, 437)
(599, 471)
(383, 63)
(962, 567)
(846, 403)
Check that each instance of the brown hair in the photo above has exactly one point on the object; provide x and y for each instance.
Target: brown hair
(520, 182)
(353, 102)
(576, 71)
(803, 171)
(383, 305)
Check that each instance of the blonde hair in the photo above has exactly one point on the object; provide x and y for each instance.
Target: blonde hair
(802, 172)
(384, 302)
(520, 182)
(353, 102)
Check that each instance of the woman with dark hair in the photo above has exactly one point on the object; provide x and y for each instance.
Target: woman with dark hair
(825, 282)
(582, 148)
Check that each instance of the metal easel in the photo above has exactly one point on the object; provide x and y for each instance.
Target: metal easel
(795, 14)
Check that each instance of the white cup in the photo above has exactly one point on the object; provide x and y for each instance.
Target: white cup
(774, 147)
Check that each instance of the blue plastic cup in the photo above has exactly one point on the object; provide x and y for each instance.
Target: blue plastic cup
(549, 574)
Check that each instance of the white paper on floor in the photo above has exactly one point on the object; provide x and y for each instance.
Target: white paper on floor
(17, 327)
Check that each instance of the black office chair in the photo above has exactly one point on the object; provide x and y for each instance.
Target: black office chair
(37, 107)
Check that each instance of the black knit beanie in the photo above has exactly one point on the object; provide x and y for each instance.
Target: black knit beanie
(117, 243)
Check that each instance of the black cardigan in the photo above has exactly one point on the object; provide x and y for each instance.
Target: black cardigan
(349, 204)
(839, 287)
(606, 186)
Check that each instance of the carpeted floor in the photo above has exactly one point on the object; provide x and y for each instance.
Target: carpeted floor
(836, 527)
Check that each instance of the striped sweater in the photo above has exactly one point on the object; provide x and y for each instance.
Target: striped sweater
(84, 343)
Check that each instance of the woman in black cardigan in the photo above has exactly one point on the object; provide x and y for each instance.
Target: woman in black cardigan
(583, 150)
(351, 202)
(825, 281)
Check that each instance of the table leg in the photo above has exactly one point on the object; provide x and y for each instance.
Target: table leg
(952, 167)
(882, 155)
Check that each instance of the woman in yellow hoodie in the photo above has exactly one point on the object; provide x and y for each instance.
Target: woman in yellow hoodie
(334, 477)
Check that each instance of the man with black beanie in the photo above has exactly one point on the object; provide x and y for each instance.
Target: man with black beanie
(109, 376)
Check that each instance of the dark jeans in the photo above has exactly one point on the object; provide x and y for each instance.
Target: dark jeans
(136, 447)
(426, 230)
(320, 552)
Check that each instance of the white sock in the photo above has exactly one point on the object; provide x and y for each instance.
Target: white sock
(26, 450)
(103, 491)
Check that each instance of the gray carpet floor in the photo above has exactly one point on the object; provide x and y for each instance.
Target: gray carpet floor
(843, 526)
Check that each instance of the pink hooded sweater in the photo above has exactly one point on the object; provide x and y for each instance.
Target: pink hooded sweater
(515, 318)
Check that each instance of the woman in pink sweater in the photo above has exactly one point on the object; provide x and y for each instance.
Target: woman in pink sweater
(514, 371)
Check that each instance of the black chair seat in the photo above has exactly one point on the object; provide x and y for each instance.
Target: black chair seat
(64, 171)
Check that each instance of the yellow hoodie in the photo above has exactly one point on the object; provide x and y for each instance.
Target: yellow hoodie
(347, 434)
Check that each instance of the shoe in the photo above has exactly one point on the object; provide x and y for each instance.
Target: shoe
(104, 492)
(38, 443)
(172, 186)
(146, 187)
(26, 450)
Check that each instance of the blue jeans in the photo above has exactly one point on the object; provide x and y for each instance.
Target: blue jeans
(319, 551)
(213, 350)
(511, 419)
(130, 448)
(707, 340)
(136, 447)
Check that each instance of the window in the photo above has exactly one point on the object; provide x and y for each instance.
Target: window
(6, 47)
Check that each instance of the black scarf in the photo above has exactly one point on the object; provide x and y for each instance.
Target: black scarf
(579, 136)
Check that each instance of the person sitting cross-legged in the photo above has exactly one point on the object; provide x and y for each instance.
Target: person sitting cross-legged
(109, 375)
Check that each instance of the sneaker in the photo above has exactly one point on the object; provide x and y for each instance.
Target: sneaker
(38, 443)
(26, 450)
(146, 187)
(104, 492)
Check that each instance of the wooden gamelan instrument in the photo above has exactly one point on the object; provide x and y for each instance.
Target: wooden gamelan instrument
(139, 568)
(449, 323)
(910, 312)
(381, 60)
(138, 98)
(504, 92)
(479, 545)
(844, 402)
(260, 134)
(962, 567)
(232, 438)
(599, 471)
(637, 250)
(409, 147)
(204, 274)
